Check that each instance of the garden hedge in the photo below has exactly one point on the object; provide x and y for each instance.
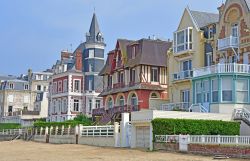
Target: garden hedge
(194, 127)
(9, 126)
(80, 119)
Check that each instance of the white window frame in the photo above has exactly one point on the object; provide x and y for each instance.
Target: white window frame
(75, 90)
(98, 104)
(54, 87)
(11, 86)
(245, 91)
(225, 87)
(26, 87)
(208, 55)
(215, 90)
(60, 86)
(76, 105)
(65, 85)
(187, 44)
(154, 72)
(91, 53)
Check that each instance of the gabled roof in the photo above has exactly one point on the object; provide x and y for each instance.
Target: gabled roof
(204, 18)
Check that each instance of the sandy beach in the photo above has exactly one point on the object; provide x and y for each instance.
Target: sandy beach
(32, 151)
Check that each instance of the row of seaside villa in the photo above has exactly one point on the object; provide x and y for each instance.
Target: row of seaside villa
(203, 72)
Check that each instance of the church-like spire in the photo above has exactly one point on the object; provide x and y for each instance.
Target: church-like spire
(94, 34)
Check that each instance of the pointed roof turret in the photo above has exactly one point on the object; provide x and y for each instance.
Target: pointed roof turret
(94, 34)
(94, 27)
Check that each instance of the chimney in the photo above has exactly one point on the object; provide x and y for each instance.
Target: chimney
(65, 55)
(221, 9)
(78, 60)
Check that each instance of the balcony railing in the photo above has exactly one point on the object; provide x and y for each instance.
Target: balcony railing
(119, 85)
(181, 106)
(222, 68)
(183, 75)
(116, 109)
(228, 42)
(21, 113)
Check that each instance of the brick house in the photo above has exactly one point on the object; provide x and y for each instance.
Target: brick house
(134, 77)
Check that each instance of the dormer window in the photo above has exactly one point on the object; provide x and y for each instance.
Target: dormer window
(183, 40)
(210, 32)
(26, 87)
(11, 86)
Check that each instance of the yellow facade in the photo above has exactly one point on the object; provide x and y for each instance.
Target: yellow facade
(196, 55)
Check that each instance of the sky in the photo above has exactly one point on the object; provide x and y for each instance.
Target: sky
(34, 32)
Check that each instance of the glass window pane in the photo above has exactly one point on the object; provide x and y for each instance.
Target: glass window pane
(215, 96)
(227, 95)
(227, 84)
(242, 85)
(242, 96)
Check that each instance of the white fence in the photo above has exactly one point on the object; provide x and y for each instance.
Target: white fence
(97, 130)
(11, 131)
(206, 139)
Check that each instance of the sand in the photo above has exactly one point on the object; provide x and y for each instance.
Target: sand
(33, 151)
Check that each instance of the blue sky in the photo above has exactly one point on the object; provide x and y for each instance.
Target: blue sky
(33, 32)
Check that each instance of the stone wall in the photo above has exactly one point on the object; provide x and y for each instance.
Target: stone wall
(206, 149)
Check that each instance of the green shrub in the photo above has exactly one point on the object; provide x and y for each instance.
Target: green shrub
(9, 126)
(194, 127)
(79, 120)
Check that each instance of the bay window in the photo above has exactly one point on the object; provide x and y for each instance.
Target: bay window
(183, 40)
(242, 90)
(227, 89)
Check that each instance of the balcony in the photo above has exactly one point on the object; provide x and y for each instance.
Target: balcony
(119, 85)
(228, 42)
(181, 106)
(183, 75)
(22, 113)
(222, 68)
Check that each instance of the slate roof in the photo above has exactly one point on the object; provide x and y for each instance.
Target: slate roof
(153, 52)
(204, 18)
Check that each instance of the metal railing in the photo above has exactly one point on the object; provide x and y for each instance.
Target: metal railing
(222, 68)
(97, 130)
(198, 108)
(228, 42)
(21, 113)
(183, 75)
(206, 139)
(181, 106)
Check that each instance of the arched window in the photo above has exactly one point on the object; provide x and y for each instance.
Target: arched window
(134, 100)
(110, 103)
(121, 101)
(154, 95)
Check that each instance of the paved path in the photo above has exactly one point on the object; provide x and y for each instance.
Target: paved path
(31, 151)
